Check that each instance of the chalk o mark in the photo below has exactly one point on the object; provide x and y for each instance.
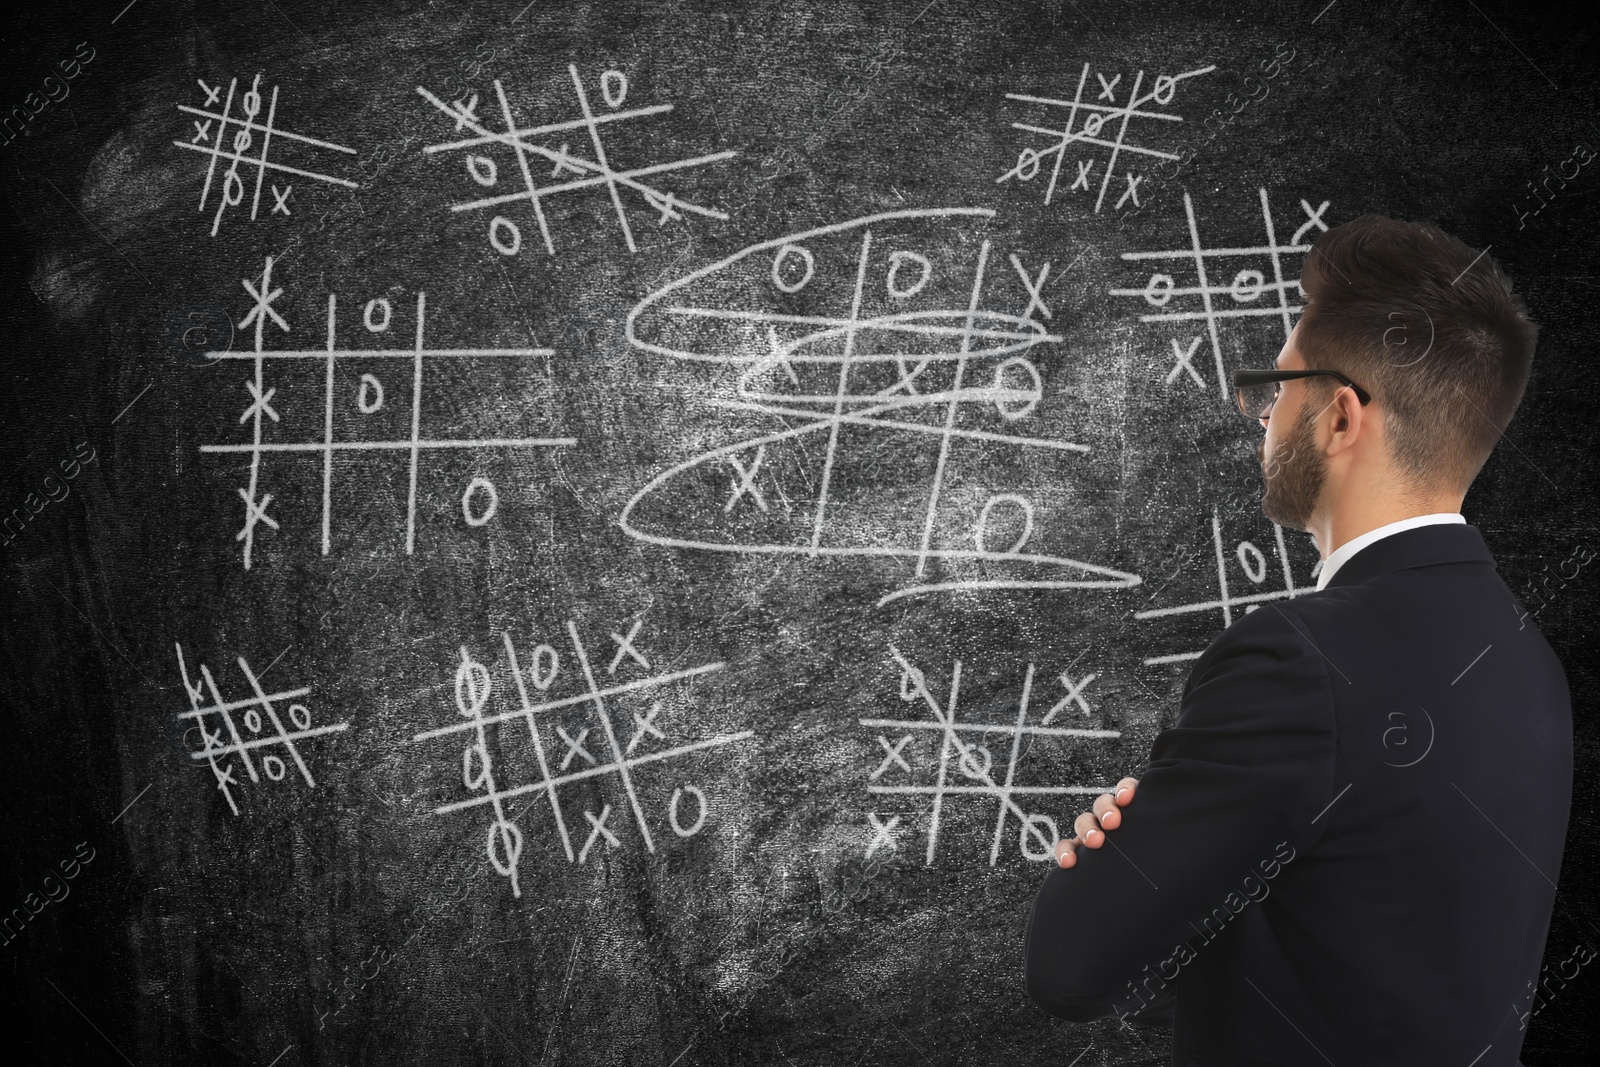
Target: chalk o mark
(300, 715)
(274, 767)
(378, 304)
(1029, 834)
(1006, 401)
(778, 270)
(504, 858)
(472, 686)
(899, 259)
(370, 398)
(1247, 285)
(1249, 554)
(672, 811)
(1159, 290)
(1027, 164)
(474, 517)
(252, 103)
(614, 87)
(483, 170)
(509, 244)
(980, 532)
(540, 675)
(233, 189)
(252, 721)
(1166, 87)
(1092, 124)
(971, 768)
(474, 766)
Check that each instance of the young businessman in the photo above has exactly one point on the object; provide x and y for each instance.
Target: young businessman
(1346, 849)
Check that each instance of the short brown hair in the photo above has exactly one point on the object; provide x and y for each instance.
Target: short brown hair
(1428, 326)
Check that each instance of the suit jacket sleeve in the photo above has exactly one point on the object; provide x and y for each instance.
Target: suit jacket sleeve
(1229, 789)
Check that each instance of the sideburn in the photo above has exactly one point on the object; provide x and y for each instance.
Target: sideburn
(1294, 482)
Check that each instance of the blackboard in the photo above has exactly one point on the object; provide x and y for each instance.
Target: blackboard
(650, 587)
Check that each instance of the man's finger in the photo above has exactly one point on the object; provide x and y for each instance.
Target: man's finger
(1123, 793)
(1066, 852)
(1087, 827)
(1107, 812)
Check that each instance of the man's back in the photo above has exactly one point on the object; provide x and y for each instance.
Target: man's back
(1420, 789)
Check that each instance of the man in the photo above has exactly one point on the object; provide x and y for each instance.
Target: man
(1346, 849)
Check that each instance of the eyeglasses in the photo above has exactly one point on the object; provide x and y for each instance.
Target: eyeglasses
(1256, 391)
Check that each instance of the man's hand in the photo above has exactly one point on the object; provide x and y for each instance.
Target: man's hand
(1090, 827)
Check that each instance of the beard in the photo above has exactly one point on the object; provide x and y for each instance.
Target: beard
(1294, 481)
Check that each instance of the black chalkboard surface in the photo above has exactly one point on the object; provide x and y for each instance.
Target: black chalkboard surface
(554, 533)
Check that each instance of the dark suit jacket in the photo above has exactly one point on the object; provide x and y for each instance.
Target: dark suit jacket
(1346, 849)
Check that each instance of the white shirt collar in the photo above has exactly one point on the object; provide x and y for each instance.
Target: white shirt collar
(1342, 554)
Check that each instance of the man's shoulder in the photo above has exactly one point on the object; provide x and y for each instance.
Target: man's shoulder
(1276, 639)
(1292, 619)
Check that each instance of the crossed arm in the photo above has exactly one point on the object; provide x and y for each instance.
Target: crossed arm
(1234, 784)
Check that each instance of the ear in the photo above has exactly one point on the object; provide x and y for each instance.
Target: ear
(1348, 421)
